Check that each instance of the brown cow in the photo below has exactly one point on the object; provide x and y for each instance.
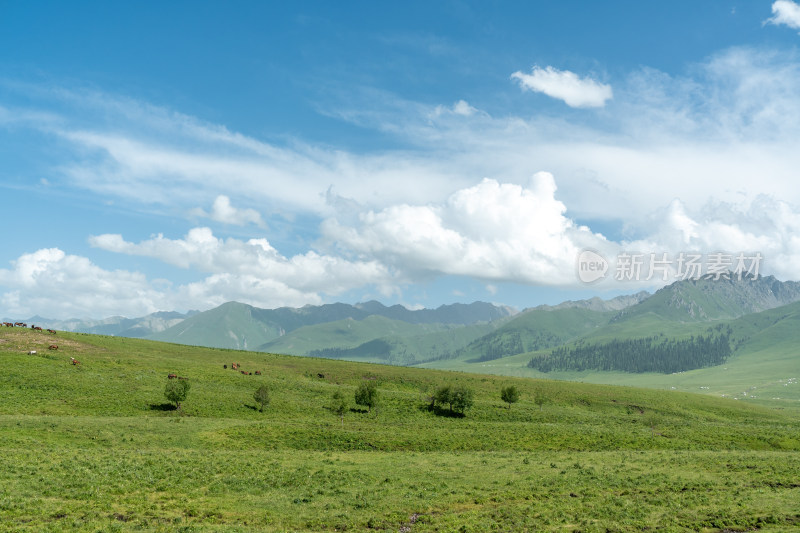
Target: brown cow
(51, 331)
(172, 376)
(258, 372)
(74, 361)
(53, 347)
(36, 328)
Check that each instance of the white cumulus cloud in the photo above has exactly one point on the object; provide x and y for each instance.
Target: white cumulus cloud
(491, 231)
(785, 12)
(565, 85)
(254, 264)
(59, 285)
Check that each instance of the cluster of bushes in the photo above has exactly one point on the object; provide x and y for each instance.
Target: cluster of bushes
(454, 400)
(458, 399)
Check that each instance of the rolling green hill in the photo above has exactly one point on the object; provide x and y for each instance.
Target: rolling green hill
(344, 334)
(763, 368)
(240, 326)
(96, 446)
(677, 311)
(231, 325)
(534, 330)
(408, 349)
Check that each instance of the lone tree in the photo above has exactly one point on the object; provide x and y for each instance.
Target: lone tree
(261, 396)
(539, 400)
(367, 395)
(461, 399)
(176, 391)
(509, 395)
(339, 405)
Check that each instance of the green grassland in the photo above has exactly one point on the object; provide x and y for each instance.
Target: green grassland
(96, 447)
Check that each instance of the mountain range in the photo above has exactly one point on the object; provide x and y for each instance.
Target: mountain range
(748, 322)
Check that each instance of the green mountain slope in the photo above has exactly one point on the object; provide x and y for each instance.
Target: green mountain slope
(534, 330)
(343, 334)
(410, 349)
(240, 326)
(704, 299)
(231, 325)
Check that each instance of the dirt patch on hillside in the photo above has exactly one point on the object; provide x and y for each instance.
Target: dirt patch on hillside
(25, 340)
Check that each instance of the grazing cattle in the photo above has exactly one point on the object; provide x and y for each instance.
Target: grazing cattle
(258, 372)
(74, 361)
(321, 376)
(8, 324)
(172, 376)
(243, 372)
(32, 352)
(225, 367)
(235, 366)
(53, 347)
(36, 328)
(20, 324)
(51, 331)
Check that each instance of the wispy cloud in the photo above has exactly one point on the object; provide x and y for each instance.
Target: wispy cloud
(704, 160)
(735, 116)
(223, 211)
(565, 85)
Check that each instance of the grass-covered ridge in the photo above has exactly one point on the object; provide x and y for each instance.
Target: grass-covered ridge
(111, 454)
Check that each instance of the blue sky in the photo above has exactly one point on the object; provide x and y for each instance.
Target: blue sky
(177, 155)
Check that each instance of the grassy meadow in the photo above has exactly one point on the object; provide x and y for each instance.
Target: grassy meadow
(97, 447)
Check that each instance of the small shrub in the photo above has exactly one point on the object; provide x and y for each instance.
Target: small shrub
(339, 405)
